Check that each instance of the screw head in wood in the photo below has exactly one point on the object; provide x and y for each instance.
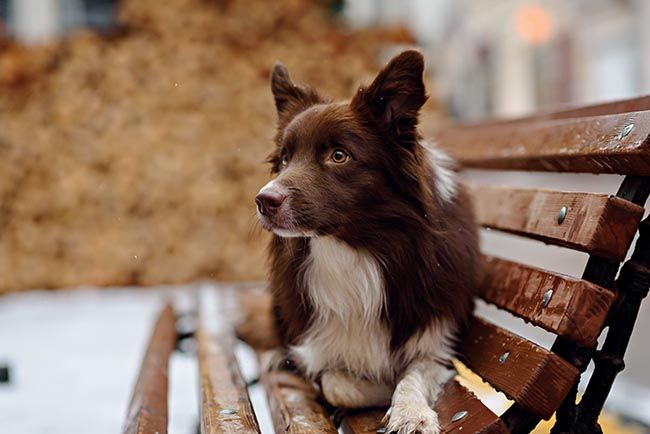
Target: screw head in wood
(227, 411)
(504, 357)
(627, 129)
(458, 416)
(561, 215)
(546, 298)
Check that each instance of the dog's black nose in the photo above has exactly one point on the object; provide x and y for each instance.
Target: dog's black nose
(268, 201)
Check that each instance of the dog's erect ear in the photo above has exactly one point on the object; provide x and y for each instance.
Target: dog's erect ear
(290, 98)
(395, 97)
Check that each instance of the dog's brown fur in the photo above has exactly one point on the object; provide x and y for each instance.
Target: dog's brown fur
(383, 200)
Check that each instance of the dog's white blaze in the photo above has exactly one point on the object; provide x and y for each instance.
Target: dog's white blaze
(268, 186)
(284, 233)
(346, 289)
(442, 165)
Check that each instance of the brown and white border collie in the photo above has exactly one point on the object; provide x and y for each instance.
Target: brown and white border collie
(374, 258)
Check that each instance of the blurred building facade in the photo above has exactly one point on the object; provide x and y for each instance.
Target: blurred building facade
(488, 58)
(512, 57)
(36, 21)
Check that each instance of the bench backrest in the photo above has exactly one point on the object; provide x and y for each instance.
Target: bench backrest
(607, 138)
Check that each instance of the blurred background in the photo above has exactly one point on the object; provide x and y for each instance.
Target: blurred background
(132, 141)
(489, 58)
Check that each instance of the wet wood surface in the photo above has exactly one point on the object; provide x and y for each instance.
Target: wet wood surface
(454, 400)
(294, 405)
(364, 422)
(598, 224)
(225, 404)
(147, 413)
(535, 378)
(617, 143)
(569, 307)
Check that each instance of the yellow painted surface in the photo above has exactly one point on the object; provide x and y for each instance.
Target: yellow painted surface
(498, 403)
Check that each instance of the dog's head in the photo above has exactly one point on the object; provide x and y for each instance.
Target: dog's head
(339, 166)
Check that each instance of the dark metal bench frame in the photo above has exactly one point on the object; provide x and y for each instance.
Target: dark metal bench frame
(631, 288)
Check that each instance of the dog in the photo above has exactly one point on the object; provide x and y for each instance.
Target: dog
(374, 256)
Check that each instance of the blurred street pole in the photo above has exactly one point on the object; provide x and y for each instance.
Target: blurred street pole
(514, 92)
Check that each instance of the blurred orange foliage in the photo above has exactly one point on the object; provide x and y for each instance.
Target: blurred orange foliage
(134, 158)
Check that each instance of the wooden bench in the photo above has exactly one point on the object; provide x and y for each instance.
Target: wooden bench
(607, 138)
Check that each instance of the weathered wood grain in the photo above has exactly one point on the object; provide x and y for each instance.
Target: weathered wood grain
(364, 422)
(225, 404)
(453, 400)
(294, 405)
(576, 309)
(598, 224)
(479, 419)
(535, 378)
(147, 413)
(618, 143)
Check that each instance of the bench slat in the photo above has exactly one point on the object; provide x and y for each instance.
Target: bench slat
(294, 405)
(566, 112)
(618, 143)
(453, 400)
(598, 224)
(537, 379)
(225, 404)
(576, 309)
(147, 412)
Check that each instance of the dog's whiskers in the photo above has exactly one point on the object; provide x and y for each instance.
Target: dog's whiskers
(254, 227)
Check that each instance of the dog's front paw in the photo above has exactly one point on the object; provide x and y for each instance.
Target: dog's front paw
(411, 418)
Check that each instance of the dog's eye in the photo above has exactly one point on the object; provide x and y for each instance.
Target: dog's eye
(284, 158)
(339, 156)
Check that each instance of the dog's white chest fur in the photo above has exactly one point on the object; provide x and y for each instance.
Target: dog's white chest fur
(345, 288)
